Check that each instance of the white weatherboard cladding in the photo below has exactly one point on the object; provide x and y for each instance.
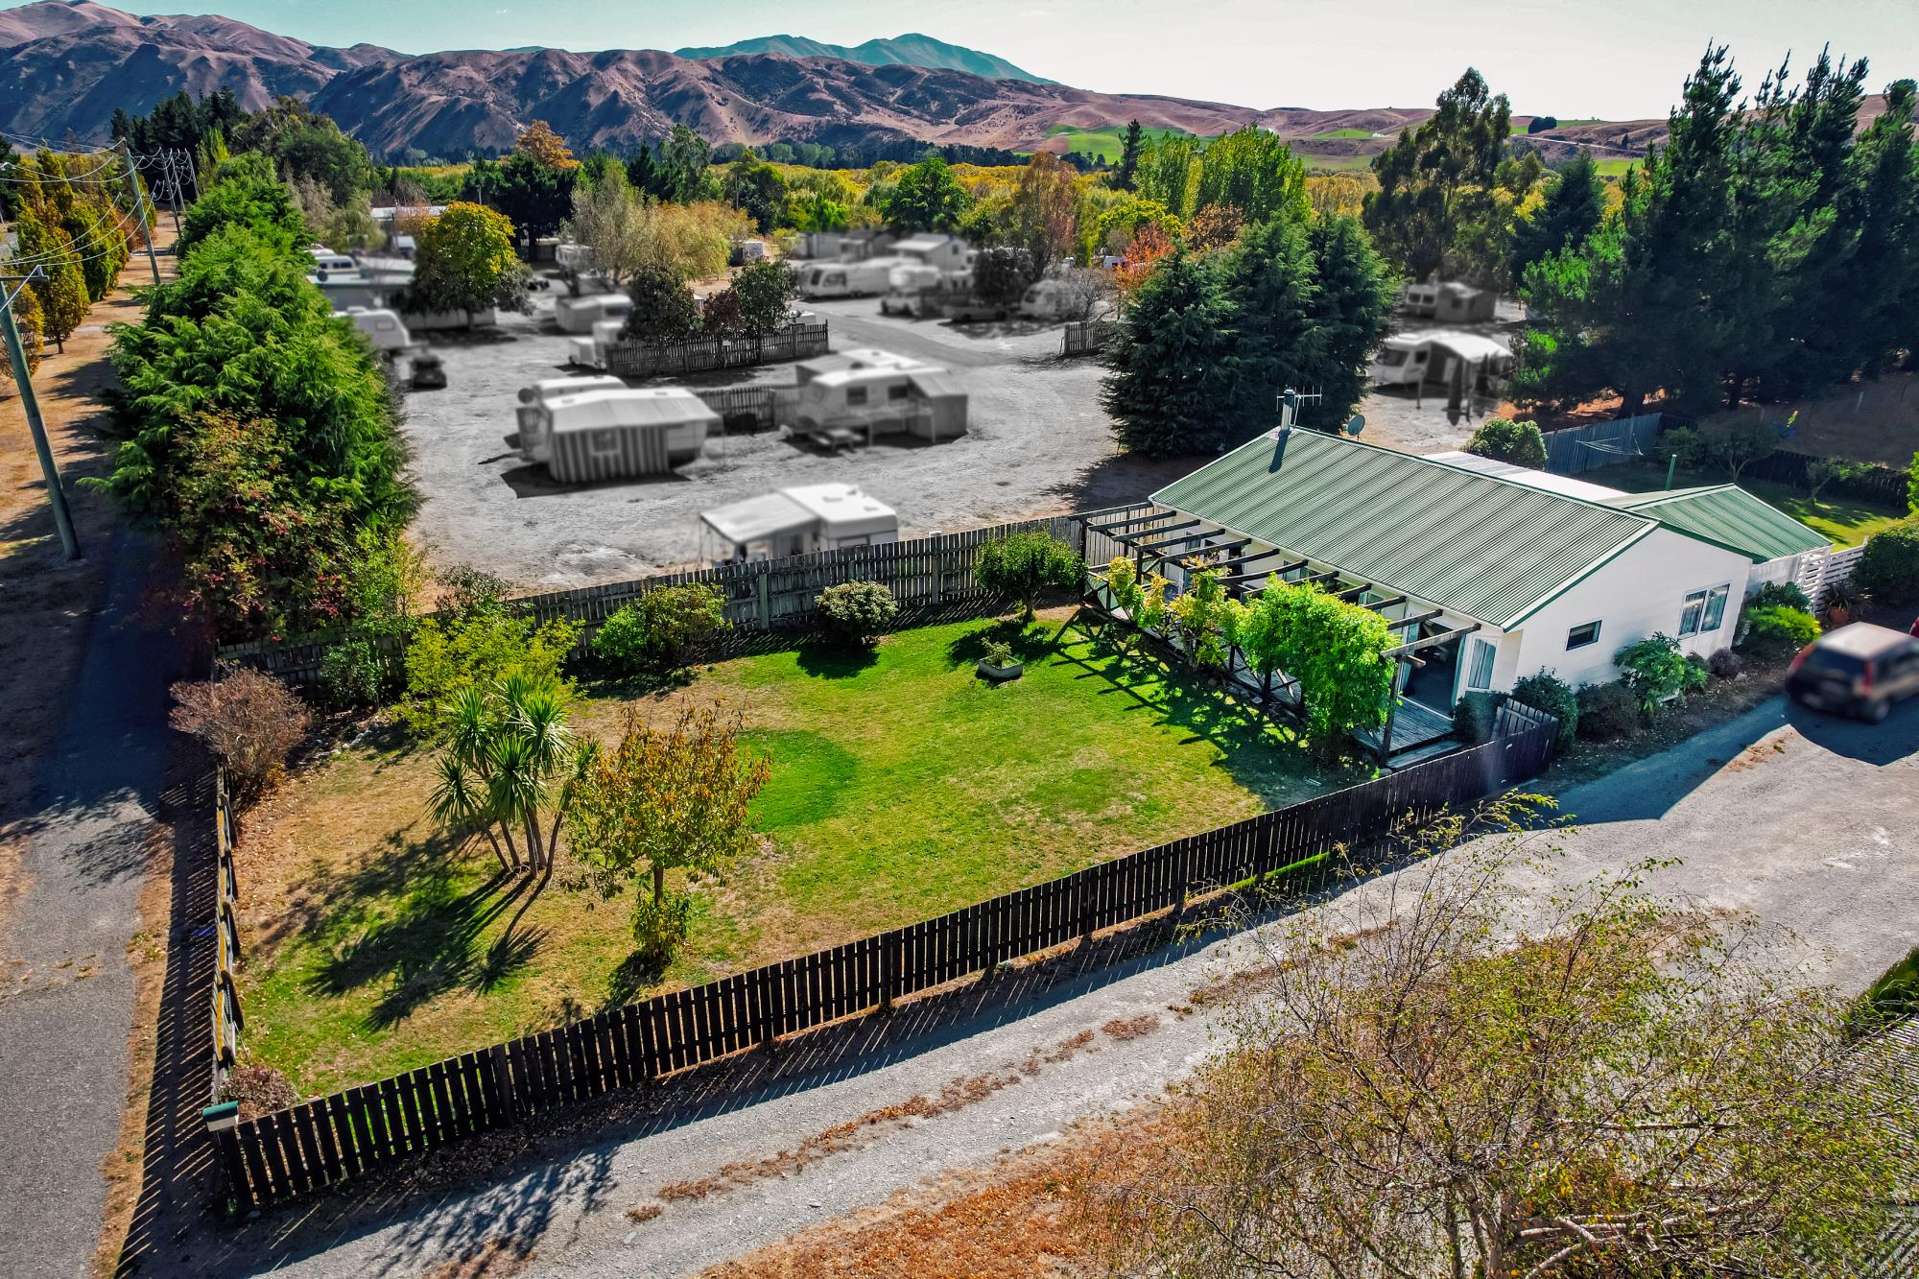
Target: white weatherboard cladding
(1638, 593)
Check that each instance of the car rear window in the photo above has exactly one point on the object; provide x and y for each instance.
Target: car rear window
(1825, 661)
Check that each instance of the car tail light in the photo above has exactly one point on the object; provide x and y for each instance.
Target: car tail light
(1865, 680)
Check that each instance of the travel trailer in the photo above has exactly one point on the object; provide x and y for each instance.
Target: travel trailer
(1049, 300)
(590, 352)
(325, 259)
(847, 279)
(860, 404)
(609, 434)
(579, 315)
(1408, 359)
(535, 408)
(1453, 302)
(797, 521)
(385, 332)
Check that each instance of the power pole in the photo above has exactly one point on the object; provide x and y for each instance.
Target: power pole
(140, 207)
(17, 357)
(193, 172)
(173, 191)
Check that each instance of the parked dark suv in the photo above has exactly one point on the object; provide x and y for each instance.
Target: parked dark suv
(1859, 669)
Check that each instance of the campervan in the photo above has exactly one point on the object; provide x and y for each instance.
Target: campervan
(798, 521)
(533, 411)
(579, 315)
(913, 290)
(383, 328)
(1408, 359)
(608, 434)
(847, 279)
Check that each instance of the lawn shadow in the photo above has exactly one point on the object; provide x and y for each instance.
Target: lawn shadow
(831, 659)
(637, 972)
(1030, 641)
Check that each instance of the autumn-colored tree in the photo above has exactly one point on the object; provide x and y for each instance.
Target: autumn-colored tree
(663, 800)
(1149, 245)
(1214, 227)
(538, 142)
(465, 262)
(26, 316)
(1044, 214)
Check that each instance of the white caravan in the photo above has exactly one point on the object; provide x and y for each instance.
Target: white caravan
(385, 332)
(535, 409)
(608, 434)
(847, 279)
(1408, 359)
(579, 315)
(797, 521)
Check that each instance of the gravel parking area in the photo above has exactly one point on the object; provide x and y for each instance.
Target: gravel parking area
(1038, 444)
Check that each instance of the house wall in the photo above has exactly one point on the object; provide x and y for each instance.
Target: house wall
(1641, 592)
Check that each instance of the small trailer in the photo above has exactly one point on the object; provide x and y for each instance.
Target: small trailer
(847, 279)
(861, 404)
(1050, 300)
(797, 521)
(579, 315)
(590, 352)
(913, 290)
(1410, 359)
(382, 327)
(608, 434)
(536, 403)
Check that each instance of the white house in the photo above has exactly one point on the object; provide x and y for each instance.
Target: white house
(1486, 572)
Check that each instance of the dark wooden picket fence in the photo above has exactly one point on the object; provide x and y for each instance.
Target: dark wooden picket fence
(800, 341)
(926, 575)
(352, 1133)
(1082, 337)
(1878, 484)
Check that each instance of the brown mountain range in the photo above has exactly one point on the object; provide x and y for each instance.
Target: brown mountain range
(66, 64)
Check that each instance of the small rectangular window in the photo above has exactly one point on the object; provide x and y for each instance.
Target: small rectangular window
(1715, 608)
(898, 392)
(855, 395)
(1691, 614)
(1582, 636)
(604, 443)
(1479, 674)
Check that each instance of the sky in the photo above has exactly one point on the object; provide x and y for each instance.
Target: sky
(1615, 59)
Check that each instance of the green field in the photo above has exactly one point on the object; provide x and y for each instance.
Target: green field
(902, 786)
(1347, 135)
(1107, 141)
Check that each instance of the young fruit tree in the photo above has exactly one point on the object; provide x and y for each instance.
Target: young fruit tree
(1448, 1079)
(1024, 566)
(663, 800)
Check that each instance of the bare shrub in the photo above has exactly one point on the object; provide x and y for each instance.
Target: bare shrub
(259, 1090)
(250, 721)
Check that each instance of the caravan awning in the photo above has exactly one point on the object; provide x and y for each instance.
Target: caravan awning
(758, 518)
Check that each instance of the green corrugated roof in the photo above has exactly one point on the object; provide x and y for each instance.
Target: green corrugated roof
(1729, 516)
(1473, 544)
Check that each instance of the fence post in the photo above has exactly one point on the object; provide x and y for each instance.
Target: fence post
(939, 568)
(223, 1126)
(889, 970)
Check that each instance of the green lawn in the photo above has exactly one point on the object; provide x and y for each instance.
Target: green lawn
(1847, 521)
(902, 786)
(1345, 135)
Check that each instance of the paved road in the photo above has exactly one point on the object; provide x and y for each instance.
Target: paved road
(67, 1002)
(1805, 822)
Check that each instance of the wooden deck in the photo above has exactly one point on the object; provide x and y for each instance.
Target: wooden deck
(1415, 725)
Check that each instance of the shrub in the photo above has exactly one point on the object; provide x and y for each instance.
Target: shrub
(857, 611)
(1022, 566)
(1845, 595)
(260, 1090)
(1473, 716)
(1725, 664)
(998, 653)
(1777, 630)
(1656, 671)
(249, 720)
(1889, 569)
(1505, 440)
(445, 656)
(1545, 691)
(1608, 711)
(662, 628)
(354, 673)
(1783, 594)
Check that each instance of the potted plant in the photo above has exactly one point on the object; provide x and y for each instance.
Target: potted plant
(998, 663)
(1843, 602)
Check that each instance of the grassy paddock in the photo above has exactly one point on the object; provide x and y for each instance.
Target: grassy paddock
(902, 786)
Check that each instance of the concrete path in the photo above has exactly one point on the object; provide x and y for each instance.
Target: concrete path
(66, 1004)
(1806, 822)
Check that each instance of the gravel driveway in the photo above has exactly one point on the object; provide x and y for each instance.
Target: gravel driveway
(1807, 822)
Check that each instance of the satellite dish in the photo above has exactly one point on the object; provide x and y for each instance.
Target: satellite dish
(1357, 424)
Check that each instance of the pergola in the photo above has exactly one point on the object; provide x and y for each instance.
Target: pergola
(1157, 536)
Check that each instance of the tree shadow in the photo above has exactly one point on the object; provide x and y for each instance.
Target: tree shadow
(637, 973)
(631, 685)
(836, 659)
(1030, 642)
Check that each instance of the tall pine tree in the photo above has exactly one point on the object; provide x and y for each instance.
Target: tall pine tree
(1127, 174)
(1169, 390)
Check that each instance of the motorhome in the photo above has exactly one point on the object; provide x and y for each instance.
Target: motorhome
(847, 279)
(1408, 359)
(536, 404)
(609, 434)
(579, 315)
(797, 521)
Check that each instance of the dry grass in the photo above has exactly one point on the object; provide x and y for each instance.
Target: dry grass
(1125, 1028)
(494, 1259)
(1044, 1212)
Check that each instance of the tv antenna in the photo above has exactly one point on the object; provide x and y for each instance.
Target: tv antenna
(1288, 405)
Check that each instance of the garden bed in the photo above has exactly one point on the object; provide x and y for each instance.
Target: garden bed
(902, 785)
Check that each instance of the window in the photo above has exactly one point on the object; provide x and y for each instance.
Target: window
(1479, 674)
(604, 443)
(1582, 636)
(1391, 358)
(855, 395)
(1703, 611)
(899, 392)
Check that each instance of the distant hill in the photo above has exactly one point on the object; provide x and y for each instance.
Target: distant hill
(909, 50)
